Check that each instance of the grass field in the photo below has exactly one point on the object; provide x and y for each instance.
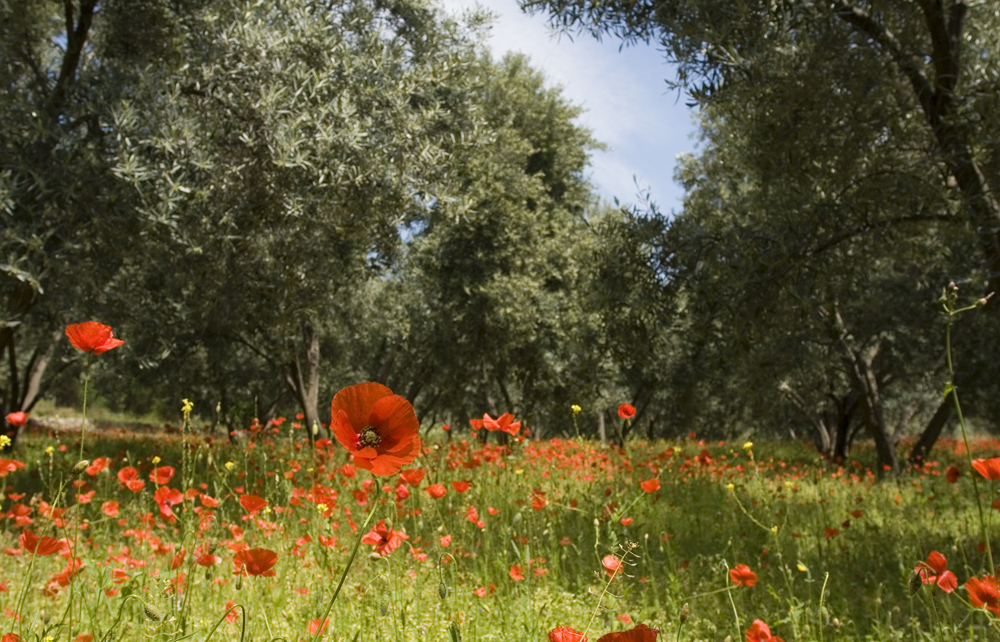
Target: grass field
(517, 545)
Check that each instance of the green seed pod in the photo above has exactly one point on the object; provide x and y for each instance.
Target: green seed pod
(239, 580)
(442, 590)
(81, 465)
(684, 613)
(915, 583)
(383, 608)
(153, 612)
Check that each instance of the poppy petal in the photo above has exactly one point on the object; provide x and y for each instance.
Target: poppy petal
(344, 431)
(357, 402)
(394, 417)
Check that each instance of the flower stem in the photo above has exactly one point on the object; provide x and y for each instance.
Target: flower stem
(83, 422)
(965, 437)
(343, 577)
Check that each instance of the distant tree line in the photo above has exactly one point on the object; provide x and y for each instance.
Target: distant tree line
(271, 200)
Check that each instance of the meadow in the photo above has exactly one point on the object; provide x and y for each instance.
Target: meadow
(158, 537)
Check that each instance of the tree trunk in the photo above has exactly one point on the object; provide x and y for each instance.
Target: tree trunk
(931, 432)
(601, 430)
(845, 411)
(306, 388)
(860, 366)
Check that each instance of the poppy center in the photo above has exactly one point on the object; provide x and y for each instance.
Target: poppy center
(369, 437)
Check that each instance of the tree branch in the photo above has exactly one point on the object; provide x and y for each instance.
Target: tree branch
(76, 38)
(908, 62)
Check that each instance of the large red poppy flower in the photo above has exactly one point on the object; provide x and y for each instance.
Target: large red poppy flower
(377, 427)
(92, 336)
(255, 561)
(566, 634)
(988, 468)
(983, 592)
(935, 571)
(384, 539)
(17, 419)
(626, 411)
(44, 545)
(741, 575)
(641, 633)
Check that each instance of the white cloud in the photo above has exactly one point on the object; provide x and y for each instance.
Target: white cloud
(627, 103)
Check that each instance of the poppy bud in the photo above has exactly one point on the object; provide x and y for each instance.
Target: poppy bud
(915, 583)
(153, 612)
(517, 519)
(684, 612)
(383, 608)
(454, 633)
(239, 581)
(729, 638)
(81, 466)
(442, 590)
(373, 556)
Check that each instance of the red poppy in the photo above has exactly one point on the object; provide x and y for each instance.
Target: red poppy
(43, 545)
(983, 592)
(130, 477)
(10, 637)
(315, 626)
(566, 634)
(166, 497)
(935, 571)
(760, 632)
(110, 508)
(255, 561)
(98, 466)
(626, 411)
(641, 633)
(516, 574)
(413, 477)
(252, 503)
(436, 491)
(651, 485)
(612, 564)
(952, 474)
(477, 424)
(8, 466)
(92, 337)
(988, 468)
(741, 575)
(830, 532)
(461, 486)
(162, 475)
(503, 423)
(17, 419)
(384, 539)
(377, 427)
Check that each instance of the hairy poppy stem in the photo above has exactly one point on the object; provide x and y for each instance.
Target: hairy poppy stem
(83, 422)
(950, 389)
(343, 577)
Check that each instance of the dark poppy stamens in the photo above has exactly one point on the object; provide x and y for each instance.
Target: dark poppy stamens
(369, 437)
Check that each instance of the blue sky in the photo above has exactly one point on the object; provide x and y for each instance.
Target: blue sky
(627, 104)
